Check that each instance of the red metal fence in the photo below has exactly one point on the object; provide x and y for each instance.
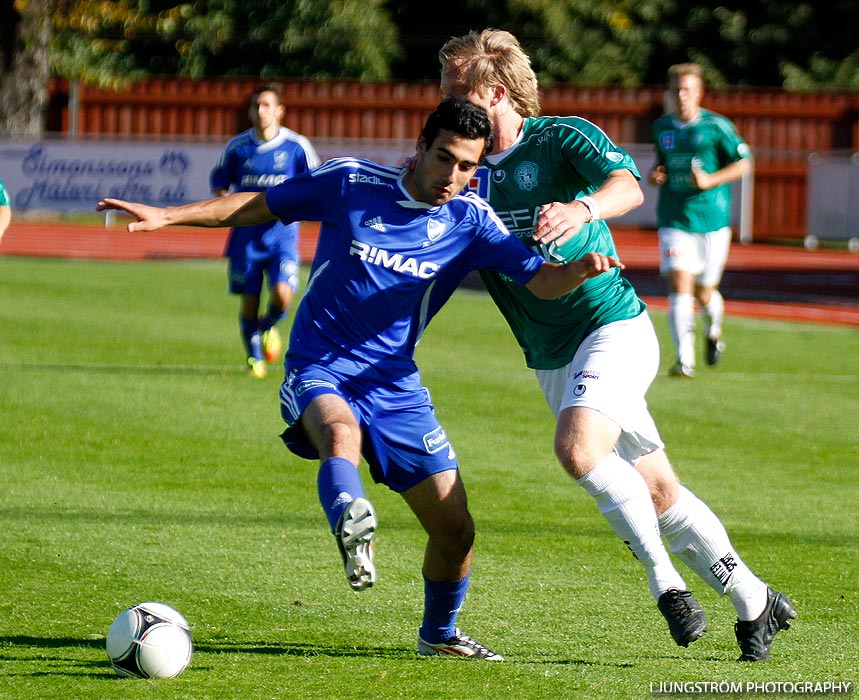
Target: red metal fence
(782, 128)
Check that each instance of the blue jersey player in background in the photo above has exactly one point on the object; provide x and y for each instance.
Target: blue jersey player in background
(393, 246)
(263, 156)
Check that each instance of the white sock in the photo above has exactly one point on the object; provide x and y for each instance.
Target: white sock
(698, 537)
(681, 323)
(623, 498)
(712, 314)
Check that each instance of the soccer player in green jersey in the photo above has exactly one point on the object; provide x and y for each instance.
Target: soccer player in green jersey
(553, 181)
(698, 154)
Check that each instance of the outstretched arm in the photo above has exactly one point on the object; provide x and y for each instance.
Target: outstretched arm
(553, 279)
(239, 209)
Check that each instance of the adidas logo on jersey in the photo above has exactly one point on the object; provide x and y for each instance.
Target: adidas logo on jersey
(376, 223)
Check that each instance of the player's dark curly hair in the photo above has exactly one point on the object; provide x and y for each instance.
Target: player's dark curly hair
(461, 117)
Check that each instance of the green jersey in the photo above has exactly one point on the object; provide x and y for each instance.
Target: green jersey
(556, 159)
(709, 142)
(4, 196)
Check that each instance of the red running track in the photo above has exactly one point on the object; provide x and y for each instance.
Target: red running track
(762, 281)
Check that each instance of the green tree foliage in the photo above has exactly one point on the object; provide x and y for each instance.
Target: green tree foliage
(585, 42)
(113, 43)
(633, 42)
(340, 38)
(823, 73)
(109, 42)
(799, 45)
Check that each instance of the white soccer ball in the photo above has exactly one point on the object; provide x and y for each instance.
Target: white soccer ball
(149, 640)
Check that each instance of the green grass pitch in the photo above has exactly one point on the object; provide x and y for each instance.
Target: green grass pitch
(138, 462)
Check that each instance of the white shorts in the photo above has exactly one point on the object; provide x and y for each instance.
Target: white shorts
(611, 373)
(702, 254)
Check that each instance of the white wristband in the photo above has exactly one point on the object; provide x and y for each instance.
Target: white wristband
(592, 207)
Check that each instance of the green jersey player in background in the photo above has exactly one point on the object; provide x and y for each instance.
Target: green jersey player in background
(698, 154)
(553, 181)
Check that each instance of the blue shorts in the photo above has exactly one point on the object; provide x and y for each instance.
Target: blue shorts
(402, 441)
(246, 274)
(269, 249)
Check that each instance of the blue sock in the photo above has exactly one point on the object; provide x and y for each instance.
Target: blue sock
(251, 336)
(272, 318)
(338, 484)
(442, 603)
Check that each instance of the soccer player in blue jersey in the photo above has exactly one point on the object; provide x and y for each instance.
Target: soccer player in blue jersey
(698, 154)
(263, 156)
(393, 246)
(553, 181)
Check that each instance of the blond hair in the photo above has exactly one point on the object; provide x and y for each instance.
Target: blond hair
(679, 70)
(494, 57)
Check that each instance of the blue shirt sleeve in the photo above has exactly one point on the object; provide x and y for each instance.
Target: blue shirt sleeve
(501, 251)
(222, 175)
(305, 197)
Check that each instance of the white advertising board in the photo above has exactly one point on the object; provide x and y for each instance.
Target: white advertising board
(833, 196)
(73, 175)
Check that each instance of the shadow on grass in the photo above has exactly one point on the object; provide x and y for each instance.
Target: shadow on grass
(301, 650)
(222, 370)
(375, 652)
(49, 642)
(53, 664)
(304, 650)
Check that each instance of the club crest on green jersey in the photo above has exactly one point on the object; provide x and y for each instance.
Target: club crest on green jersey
(526, 175)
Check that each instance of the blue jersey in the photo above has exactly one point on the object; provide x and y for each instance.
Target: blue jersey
(384, 265)
(249, 164)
